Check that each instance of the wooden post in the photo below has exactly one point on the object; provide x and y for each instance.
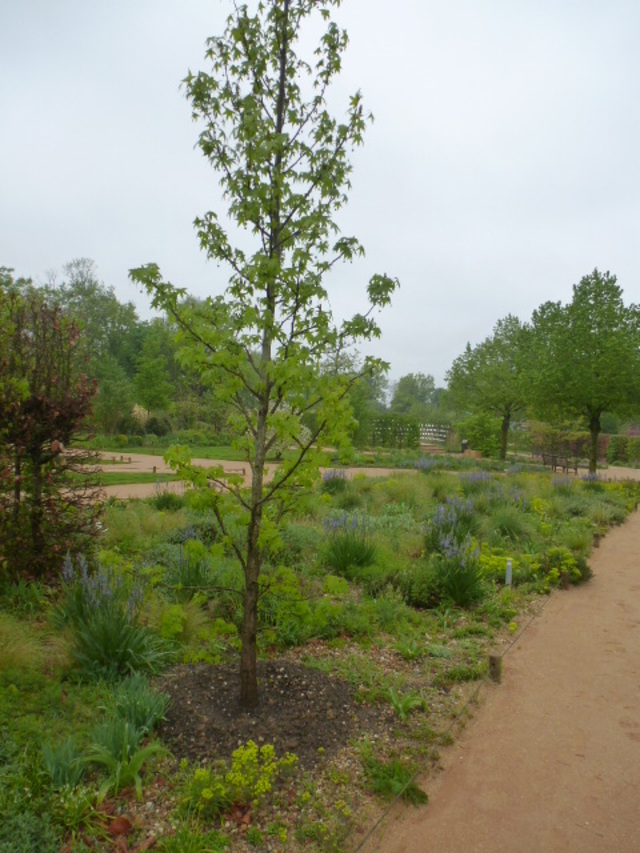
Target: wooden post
(495, 668)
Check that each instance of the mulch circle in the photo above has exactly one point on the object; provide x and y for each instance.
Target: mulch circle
(301, 710)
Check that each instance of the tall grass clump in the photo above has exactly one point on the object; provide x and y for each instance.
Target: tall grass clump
(137, 704)
(508, 522)
(102, 612)
(20, 648)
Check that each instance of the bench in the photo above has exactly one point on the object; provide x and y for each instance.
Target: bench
(555, 461)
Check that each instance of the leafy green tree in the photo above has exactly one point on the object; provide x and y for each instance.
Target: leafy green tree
(156, 367)
(585, 357)
(107, 327)
(413, 395)
(115, 396)
(489, 378)
(283, 162)
(44, 400)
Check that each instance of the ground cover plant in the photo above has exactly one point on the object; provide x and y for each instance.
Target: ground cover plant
(368, 653)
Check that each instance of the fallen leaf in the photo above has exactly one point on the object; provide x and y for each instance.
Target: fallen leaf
(119, 826)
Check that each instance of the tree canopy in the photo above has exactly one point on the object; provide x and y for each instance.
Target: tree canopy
(490, 377)
(413, 395)
(585, 358)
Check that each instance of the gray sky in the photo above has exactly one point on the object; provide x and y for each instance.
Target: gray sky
(503, 164)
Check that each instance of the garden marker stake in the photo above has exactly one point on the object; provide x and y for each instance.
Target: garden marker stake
(508, 575)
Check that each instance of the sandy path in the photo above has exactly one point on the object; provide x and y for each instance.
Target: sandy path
(141, 462)
(551, 760)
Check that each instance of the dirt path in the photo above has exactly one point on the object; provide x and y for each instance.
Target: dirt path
(141, 462)
(551, 759)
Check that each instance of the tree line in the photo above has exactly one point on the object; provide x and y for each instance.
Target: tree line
(577, 362)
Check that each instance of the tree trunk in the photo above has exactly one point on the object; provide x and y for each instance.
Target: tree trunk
(249, 695)
(17, 487)
(37, 540)
(594, 428)
(504, 435)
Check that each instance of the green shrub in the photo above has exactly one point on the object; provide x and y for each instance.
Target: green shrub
(420, 586)
(482, 432)
(23, 597)
(377, 578)
(283, 607)
(509, 523)
(168, 501)
(301, 544)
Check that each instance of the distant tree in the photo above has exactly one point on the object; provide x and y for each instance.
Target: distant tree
(155, 367)
(413, 395)
(490, 377)
(282, 161)
(366, 397)
(44, 399)
(585, 359)
(107, 327)
(115, 398)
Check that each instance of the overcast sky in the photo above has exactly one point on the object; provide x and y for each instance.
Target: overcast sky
(502, 166)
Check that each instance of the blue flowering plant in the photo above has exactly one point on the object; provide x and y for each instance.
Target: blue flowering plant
(451, 522)
(458, 572)
(102, 609)
(350, 546)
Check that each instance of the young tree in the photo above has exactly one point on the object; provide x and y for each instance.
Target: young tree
(283, 163)
(489, 378)
(585, 358)
(44, 399)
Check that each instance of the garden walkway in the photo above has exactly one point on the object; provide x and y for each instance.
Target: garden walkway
(551, 758)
